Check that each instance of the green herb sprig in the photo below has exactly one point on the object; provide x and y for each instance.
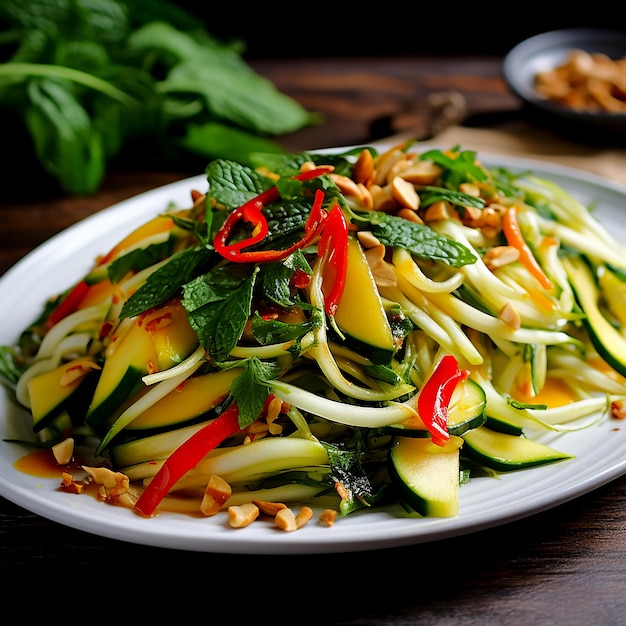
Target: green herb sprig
(88, 78)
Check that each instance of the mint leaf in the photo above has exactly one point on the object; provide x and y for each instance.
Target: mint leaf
(460, 168)
(232, 184)
(274, 331)
(218, 321)
(420, 240)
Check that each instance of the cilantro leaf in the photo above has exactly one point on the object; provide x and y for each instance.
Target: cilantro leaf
(250, 390)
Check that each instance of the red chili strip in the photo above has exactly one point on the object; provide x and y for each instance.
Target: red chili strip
(68, 305)
(333, 251)
(312, 229)
(434, 398)
(251, 212)
(186, 457)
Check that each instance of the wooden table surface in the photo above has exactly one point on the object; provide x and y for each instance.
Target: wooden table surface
(563, 566)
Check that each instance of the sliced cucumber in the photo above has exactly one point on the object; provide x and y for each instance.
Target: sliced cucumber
(121, 374)
(190, 402)
(56, 391)
(428, 475)
(505, 452)
(466, 411)
(153, 448)
(606, 339)
(158, 339)
(503, 425)
(360, 312)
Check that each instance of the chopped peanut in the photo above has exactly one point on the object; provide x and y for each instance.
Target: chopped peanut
(363, 169)
(346, 185)
(509, 314)
(385, 162)
(286, 520)
(441, 210)
(327, 517)
(275, 429)
(114, 486)
(242, 515)
(63, 451)
(367, 239)
(403, 192)
(500, 256)
(215, 496)
(70, 485)
(422, 173)
(304, 516)
(618, 409)
(382, 198)
(410, 215)
(344, 494)
(269, 508)
(366, 197)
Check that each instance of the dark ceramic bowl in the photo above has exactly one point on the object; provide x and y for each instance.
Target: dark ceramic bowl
(549, 50)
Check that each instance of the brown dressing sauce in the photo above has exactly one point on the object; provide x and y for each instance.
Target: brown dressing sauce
(42, 463)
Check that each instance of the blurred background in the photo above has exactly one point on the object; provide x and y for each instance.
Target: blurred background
(191, 102)
(426, 28)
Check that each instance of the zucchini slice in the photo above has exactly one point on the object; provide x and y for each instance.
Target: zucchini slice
(161, 338)
(192, 401)
(360, 311)
(505, 452)
(606, 339)
(466, 411)
(58, 390)
(428, 475)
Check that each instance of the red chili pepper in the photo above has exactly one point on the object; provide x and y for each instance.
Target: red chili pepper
(333, 251)
(514, 238)
(251, 212)
(434, 398)
(68, 305)
(186, 457)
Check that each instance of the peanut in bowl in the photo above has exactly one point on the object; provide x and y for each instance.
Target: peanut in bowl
(573, 81)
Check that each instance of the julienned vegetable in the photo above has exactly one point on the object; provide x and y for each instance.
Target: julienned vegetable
(299, 335)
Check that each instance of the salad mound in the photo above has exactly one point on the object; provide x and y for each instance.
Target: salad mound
(335, 330)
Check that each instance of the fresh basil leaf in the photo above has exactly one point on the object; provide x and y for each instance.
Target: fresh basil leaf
(221, 79)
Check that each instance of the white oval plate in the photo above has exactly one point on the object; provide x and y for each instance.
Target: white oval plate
(600, 451)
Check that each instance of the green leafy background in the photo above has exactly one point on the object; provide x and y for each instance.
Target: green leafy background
(86, 79)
